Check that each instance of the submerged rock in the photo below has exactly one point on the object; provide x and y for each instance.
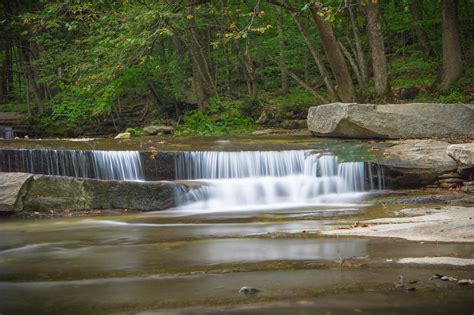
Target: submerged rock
(352, 120)
(436, 276)
(248, 291)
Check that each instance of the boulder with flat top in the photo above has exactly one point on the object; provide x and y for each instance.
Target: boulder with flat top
(391, 121)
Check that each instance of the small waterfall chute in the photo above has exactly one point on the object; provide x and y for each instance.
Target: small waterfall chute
(110, 165)
(273, 178)
(8, 133)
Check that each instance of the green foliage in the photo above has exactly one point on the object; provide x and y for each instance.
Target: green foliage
(294, 105)
(135, 132)
(251, 108)
(413, 70)
(462, 91)
(94, 59)
(223, 118)
(13, 107)
(453, 97)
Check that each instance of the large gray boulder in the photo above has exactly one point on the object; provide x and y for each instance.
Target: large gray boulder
(12, 189)
(352, 120)
(59, 193)
(414, 163)
(26, 192)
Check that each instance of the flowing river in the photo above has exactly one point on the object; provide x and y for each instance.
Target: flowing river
(254, 219)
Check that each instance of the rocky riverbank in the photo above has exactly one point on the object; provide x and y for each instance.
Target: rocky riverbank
(440, 224)
(433, 163)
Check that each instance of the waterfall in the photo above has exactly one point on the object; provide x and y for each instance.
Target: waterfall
(8, 133)
(277, 178)
(215, 165)
(112, 165)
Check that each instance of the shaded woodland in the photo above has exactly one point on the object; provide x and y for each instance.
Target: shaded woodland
(219, 66)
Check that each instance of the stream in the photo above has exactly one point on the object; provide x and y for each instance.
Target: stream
(253, 220)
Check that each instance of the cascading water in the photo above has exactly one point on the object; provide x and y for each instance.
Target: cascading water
(112, 165)
(236, 180)
(8, 133)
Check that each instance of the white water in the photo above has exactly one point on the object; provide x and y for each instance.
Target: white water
(8, 133)
(270, 179)
(111, 165)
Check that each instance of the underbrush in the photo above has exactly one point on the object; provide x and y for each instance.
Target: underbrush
(413, 70)
(14, 107)
(224, 117)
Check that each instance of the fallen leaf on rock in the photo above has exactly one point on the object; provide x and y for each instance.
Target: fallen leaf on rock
(358, 224)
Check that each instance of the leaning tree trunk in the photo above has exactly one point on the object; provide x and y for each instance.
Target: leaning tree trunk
(323, 71)
(334, 54)
(452, 60)
(377, 48)
(359, 52)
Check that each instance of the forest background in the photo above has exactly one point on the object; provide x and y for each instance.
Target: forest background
(214, 67)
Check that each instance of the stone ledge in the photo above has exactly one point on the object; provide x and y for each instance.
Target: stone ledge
(44, 193)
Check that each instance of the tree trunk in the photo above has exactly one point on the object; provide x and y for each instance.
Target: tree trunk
(200, 56)
(360, 54)
(283, 73)
(334, 54)
(420, 33)
(452, 58)
(202, 97)
(228, 68)
(244, 57)
(303, 84)
(32, 87)
(250, 68)
(377, 48)
(352, 62)
(317, 59)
